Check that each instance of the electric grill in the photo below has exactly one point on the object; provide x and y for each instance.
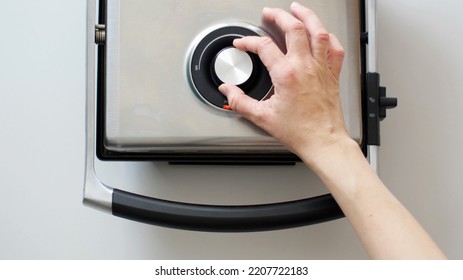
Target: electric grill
(153, 71)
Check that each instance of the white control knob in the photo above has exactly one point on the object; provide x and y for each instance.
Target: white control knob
(233, 66)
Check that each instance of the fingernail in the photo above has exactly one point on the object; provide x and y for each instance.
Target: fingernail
(295, 5)
(265, 9)
(223, 88)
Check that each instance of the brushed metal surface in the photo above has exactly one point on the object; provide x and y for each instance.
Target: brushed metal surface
(233, 66)
(150, 103)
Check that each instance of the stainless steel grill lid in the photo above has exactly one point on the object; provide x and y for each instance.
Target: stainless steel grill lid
(152, 99)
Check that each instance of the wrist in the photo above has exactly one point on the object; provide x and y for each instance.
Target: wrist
(339, 165)
(328, 152)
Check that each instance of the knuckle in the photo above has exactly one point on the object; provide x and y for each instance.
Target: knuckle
(322, 36)
(339, 52)
(234, 102)
(297, 26)
(288, 75)
(264, 43)
(259, 117)
(336, 48)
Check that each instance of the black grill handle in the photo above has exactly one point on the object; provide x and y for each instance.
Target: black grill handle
(218, 218)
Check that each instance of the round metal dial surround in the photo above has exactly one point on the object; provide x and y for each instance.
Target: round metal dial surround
(204, 52)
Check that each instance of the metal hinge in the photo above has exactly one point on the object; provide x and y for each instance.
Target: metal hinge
(376, 105)
(100, 34)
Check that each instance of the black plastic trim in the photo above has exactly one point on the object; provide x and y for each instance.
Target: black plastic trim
(101, 88)
(201, 157)
(372, 107)
(376, 104)
(363, 70)
(213, 218)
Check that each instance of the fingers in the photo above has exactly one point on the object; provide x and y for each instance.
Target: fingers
(264, 47)
(322, 46)
(309, 18)
(295, 32)
(335, 56)
(326, 48)
(319, 37)
(238, 101)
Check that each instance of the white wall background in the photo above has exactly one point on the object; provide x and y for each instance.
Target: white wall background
(42, 114)
(421, 62)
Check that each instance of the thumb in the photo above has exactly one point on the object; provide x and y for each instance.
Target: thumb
(239, 101)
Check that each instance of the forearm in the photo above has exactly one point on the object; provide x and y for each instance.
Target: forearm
(304, 114)
(386, 229)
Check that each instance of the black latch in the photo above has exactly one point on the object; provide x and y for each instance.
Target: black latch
(376, 104)
(385, 103)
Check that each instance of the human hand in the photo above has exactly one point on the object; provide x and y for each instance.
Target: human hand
(304, 113)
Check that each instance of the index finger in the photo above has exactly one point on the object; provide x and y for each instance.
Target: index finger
(264, 47)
